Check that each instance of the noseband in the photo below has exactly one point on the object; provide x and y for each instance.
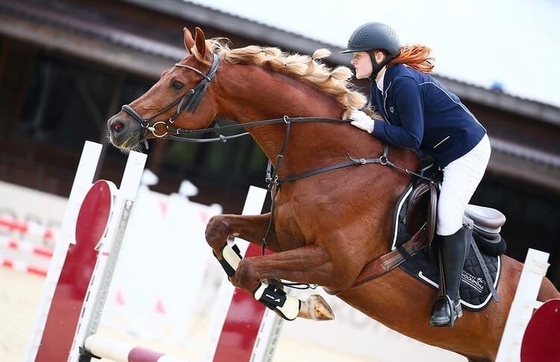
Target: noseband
(189, 101)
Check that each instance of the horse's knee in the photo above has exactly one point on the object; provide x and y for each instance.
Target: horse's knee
(217, 231)
(245, 277)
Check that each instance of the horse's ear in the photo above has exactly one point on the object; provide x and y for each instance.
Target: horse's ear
(188, 39)
(200, 41)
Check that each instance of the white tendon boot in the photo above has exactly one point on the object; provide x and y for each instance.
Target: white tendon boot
(286, 306)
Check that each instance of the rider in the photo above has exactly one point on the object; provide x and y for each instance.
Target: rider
(421, 114)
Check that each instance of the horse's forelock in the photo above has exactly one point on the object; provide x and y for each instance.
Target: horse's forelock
(215, 45)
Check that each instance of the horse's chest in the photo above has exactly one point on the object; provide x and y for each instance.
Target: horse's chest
(290, 228)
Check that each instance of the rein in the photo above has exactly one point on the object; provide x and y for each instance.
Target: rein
(190, 101)
(179, 134)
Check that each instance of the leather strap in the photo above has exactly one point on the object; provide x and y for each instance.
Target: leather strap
(432, 213)
(484, 268)
(389, 261)
(417, 195)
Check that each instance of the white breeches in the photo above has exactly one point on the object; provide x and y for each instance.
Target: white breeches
(460, 180)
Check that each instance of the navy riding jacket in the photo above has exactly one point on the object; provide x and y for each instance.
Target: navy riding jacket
(423, 115)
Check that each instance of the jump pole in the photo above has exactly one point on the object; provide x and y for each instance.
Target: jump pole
(23, 254)
(523, 305)
(123, 352)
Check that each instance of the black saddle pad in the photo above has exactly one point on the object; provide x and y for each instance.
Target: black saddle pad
(474, 291)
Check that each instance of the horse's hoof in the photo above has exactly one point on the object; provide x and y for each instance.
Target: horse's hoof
(316, 308)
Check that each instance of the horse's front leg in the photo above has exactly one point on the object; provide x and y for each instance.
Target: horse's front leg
(308, 264)
(254, 228)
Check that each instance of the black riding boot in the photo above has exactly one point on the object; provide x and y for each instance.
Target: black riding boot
(447, 307)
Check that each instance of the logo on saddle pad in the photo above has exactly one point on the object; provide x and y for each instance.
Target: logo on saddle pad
(474, 291)
(477, 283)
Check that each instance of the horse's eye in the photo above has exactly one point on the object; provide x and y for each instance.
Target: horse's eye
(177, 85)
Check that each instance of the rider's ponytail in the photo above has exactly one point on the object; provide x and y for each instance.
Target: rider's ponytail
(417, 57)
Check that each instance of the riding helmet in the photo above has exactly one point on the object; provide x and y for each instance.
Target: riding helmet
(373, 36)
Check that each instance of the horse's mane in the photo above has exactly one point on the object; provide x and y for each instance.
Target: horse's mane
(333, 82)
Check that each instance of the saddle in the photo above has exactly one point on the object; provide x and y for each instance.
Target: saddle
(414, 229)
(482, 268)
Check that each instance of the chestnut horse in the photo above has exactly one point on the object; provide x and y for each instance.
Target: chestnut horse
(329, 218)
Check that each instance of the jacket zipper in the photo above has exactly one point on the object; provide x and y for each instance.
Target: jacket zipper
(385, 102)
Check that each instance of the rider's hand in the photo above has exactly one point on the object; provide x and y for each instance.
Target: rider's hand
(362, 121)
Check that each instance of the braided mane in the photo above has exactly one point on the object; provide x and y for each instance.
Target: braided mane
(333, 82)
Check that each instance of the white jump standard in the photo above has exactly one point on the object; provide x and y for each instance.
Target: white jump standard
(81, 270)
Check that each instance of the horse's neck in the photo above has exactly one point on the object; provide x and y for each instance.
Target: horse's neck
(251, 93)
(268, 99)
(310, 145)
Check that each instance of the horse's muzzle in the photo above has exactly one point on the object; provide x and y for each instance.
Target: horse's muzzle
(124, 132)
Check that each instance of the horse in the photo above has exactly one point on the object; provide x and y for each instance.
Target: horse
(331, 214)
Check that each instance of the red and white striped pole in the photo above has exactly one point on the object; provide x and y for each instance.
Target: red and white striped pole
(18, 252)
(120, 351)
(46, 233)
(20, 248)
(25, 247)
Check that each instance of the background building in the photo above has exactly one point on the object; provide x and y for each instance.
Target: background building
(66, 66)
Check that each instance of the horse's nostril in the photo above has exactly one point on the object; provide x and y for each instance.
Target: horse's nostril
(117, 126)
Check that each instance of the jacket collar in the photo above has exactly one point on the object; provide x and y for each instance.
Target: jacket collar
(389, 73)
(380, 77)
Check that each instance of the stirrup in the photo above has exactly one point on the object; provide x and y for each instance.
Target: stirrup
(453, 310)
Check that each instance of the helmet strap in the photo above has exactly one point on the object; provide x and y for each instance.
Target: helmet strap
(376, 67)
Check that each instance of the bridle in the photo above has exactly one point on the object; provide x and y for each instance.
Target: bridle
(189, 102)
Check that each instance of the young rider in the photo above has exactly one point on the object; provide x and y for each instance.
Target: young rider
(421, 114)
